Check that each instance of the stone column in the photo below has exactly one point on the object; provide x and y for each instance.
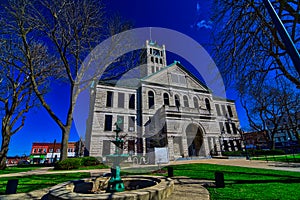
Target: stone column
(144, 146)
(185, 146)
(171, 147)
(211, 142)
(206, 148)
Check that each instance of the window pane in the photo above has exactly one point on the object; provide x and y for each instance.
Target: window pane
(109, 99)
(218, 109)
(177, 101)
(196, 104)
(224, 110)
(121, 120)
(227, 127)
(207, 104)
(166, 99)
(234, 128)
(131, 122)
(121, 100)
(131, 101)
(151, 99)
(108, 123)
(229, 111)
(185, 101)
(221, 127)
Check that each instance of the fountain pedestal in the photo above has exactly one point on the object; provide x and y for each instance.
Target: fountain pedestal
(115, 184)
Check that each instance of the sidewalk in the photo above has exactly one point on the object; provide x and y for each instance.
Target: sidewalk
(185, 188)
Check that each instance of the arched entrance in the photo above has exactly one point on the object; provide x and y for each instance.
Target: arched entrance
(194, 139)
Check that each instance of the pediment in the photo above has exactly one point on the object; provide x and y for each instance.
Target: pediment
(176, 75)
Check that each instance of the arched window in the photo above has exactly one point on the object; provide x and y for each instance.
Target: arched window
(177, 101)
(207, 104)
(185, 101)
(196, 104)
(151, 99)
(166, 99)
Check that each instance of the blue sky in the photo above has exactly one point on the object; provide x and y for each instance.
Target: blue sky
(190, 17)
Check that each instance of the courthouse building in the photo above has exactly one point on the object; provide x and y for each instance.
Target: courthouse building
(167, 106)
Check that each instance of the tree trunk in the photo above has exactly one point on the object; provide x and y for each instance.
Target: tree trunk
(64, 142)
(4, 150)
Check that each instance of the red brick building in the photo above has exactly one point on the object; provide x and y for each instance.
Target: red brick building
(257, 140)
(42, 152)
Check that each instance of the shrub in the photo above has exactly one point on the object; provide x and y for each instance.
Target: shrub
(89, 161)
(69, 163)
(233, 153)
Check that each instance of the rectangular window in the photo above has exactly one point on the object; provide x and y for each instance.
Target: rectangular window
(109, 99)
(57, 150)
(131, 123)
(120, 120)
(157, 69)
(224, 110)
(234, 128)
(227, 127)
(152, 59)
(229, 111)
(131, 101)
(34, 150)
(218, 109)
(106, 147)
(221, 127)
(50, 150)
(45, 150)
(108, 123)
(152, 69)
(120, 100)
(131, 146)
(160, 61)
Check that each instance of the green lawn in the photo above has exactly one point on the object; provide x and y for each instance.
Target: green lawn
(245, 183)
(280, 158)
(36, 182)
(240, 183)
(16, 169)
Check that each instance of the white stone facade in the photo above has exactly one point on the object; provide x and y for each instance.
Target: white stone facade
(166, 107)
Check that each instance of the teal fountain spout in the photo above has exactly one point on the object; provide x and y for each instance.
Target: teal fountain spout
(115, 184)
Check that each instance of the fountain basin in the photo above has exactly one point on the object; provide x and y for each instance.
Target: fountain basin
(136, 187)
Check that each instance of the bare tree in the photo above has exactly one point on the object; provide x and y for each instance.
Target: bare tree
(16, 94)
(268, 105)
(69, 30)
(248, 44)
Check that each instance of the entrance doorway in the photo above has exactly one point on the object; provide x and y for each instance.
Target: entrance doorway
(194, 139)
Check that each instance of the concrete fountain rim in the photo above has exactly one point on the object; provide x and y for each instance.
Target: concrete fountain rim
(161, 190)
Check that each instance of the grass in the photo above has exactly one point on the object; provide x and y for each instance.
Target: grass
(245, 183)
(17, 169)
(240, 182)
(36, 182)
(282, 158)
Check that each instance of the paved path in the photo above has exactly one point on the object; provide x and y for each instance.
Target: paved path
(185, 188)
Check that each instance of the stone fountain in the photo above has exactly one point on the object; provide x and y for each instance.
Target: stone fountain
(116, 184)
(128, 188)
